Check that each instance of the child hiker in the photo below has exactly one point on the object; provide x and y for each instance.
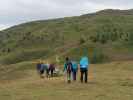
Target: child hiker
(74, 70)
(40, 68)
(68, 69)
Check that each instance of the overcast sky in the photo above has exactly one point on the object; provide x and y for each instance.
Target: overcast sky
(14, 12)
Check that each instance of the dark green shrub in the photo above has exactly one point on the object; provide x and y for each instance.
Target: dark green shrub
(82, 40)
(98, 56)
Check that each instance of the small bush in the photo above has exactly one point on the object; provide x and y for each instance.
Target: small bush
(82, 40)
(98, 56)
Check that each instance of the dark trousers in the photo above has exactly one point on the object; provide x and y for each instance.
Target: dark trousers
(74, 75)
(84, 74)
(41, 72)
(52, 72)
(47, 73)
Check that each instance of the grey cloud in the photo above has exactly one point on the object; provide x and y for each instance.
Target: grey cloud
(19, 11)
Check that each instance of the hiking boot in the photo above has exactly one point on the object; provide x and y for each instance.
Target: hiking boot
(69, 81)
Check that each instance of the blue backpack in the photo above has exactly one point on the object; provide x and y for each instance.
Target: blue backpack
(75, 66)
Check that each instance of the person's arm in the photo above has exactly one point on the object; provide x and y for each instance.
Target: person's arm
(64, 68)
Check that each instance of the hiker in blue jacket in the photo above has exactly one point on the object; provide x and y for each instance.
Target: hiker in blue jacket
(74, 70)
(44, 68)
(38, 67)
(84, 64)
(68, 69)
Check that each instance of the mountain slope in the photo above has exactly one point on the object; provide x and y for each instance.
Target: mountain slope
(112, 28)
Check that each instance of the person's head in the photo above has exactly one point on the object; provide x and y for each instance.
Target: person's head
(67, 59)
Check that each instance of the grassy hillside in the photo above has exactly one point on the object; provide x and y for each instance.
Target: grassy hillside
(107, 30)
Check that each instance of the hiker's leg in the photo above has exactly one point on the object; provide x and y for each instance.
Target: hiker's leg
(74, 75)
(81, 77)
(47, 73)
(86, 76)
(52, 73)
(69, 77)
(41, 73)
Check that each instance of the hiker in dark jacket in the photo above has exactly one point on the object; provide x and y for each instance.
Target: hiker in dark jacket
(51, 69)
(40, 68)
(68, 69)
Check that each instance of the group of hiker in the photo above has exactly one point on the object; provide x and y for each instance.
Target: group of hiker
(49, 68)
(70, 68)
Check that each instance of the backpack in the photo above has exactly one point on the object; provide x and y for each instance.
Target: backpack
(74, 66)
(69, 67)
(51, 67)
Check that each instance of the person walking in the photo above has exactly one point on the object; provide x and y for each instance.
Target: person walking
(38, 67)
(51, 69)
(68, 69)
(47, 70)
(84, 64)
(74, 70)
